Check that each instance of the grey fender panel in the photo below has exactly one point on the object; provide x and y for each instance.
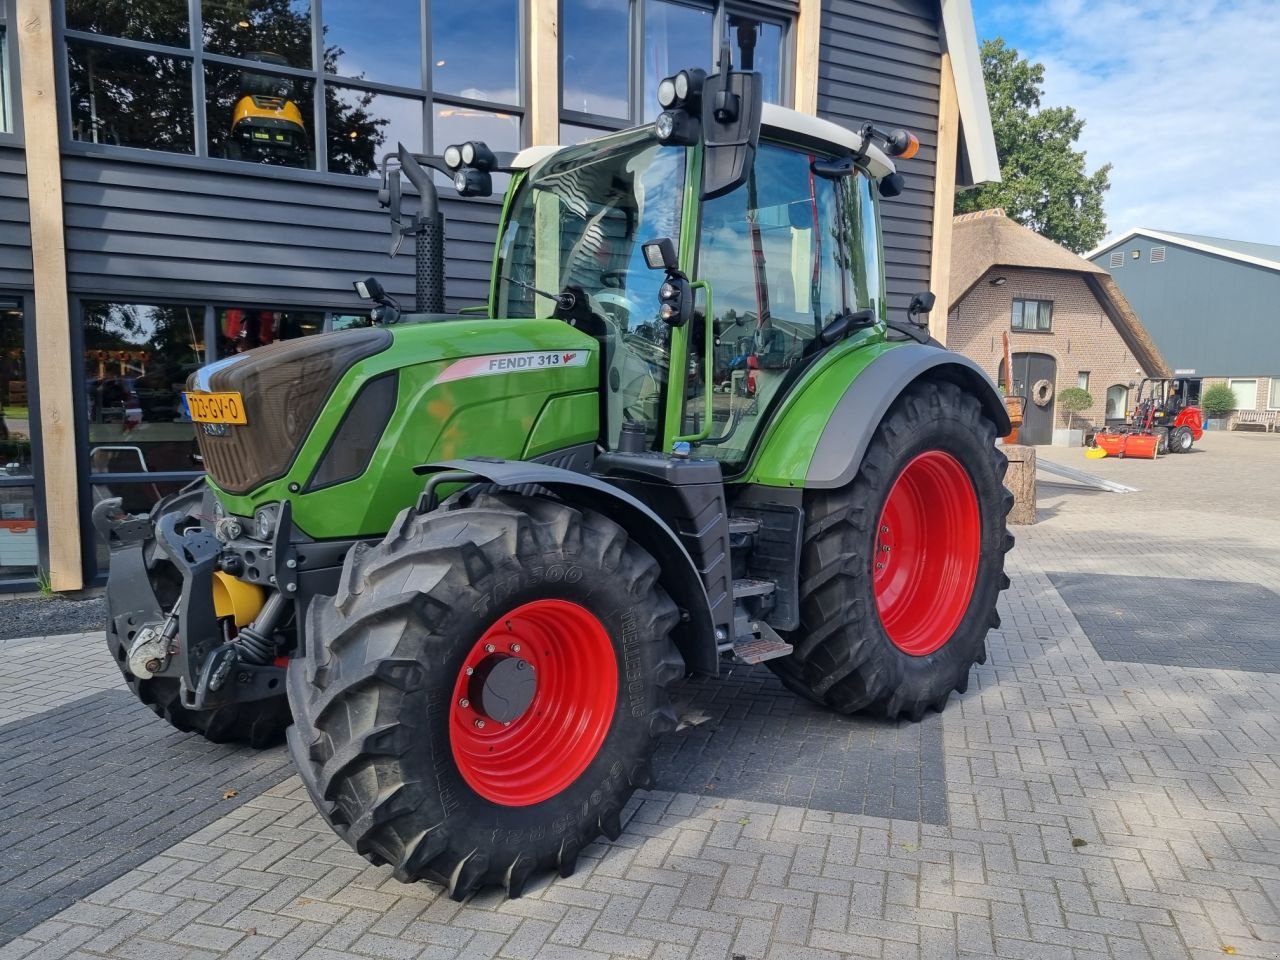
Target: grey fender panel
(694, 637)
(853, 423)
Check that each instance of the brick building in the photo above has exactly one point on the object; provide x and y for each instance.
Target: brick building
(1068, 323)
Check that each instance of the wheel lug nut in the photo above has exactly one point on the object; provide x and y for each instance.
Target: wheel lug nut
(464, 703)
(885, 548)
(515, 648)
(470, 671)
(884, 529)
(879, 566)
(488, 648)
(479, 724)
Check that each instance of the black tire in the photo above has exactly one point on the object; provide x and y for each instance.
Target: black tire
(1182, 440)
(844, 657)
(258, 723)
(1162, 441)
(374, 693)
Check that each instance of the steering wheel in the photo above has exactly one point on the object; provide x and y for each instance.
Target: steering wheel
(616, 279)
(617, 307)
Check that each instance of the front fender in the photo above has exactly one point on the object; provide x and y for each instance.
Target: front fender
(695, 634)
(845, 405)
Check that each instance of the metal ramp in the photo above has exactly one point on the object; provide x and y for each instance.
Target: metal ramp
(1079, 476)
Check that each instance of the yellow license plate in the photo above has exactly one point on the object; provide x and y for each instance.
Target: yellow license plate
(216, 407)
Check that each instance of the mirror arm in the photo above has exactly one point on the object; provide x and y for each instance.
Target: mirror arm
(709, 353)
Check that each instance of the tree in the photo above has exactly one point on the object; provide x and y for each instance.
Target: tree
(1045, 186)
(1218, 401)
(1074, 400)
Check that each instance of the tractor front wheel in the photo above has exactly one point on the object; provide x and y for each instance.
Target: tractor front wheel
(1181, 440)
(484, 693)
(901, 570)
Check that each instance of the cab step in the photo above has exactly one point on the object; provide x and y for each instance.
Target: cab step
(743, 526)
(752, 587)
(757, 649)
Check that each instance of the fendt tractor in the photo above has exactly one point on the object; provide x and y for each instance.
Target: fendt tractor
(460, 560)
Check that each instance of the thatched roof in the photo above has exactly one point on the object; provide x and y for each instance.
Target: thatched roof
(987, 239)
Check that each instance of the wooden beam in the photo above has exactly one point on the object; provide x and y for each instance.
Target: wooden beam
(544, 72)
(807, 31)
(944, 199)
(49, 261)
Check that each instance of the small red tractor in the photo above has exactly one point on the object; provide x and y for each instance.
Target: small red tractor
(1162, 422)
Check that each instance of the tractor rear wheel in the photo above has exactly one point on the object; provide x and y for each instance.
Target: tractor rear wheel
(258, 723)
(1181, 440)
(901, 569)
(484, 693)
(1162, 441)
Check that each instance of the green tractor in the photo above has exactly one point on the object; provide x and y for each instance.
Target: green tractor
(460, 560)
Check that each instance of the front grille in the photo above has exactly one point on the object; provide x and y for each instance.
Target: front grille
(283, 386)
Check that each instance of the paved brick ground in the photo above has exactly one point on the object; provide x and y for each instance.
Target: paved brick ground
(1094, 808)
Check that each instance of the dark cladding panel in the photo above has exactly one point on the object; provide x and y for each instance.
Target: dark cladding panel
(15, 220)
(155, 231)
(880, 61)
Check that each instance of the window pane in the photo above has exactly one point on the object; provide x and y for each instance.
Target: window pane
(675, 37)
(595, 54)
(571, 133)
(862, 242)
(1017, 315)
(1046, 314)
(159, 21)
(244, 328)
(379, 41)
(362, 126)
(259, 117)
(137, 360)
(454, 124)
(15, 428)
(1246, 392)
(757, 45)
(475, 49)
(252, 29)
(129, 99)
(1273, 400)
(134, 498)
(6, 104)
(19, 534)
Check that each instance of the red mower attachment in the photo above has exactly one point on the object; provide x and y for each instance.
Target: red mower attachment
(1140, 445)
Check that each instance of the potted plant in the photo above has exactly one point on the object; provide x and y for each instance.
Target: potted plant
(1071, 401)
(1218, 402)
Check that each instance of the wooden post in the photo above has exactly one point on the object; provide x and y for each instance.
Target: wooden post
(807, 32)
(944, 199)
(1021, 481)
(544, 72)
(53, 325)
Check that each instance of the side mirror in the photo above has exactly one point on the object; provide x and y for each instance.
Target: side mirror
(732, 104)
(675, 295)
(921, 303)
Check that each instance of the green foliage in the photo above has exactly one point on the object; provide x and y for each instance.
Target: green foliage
(1045, 186)
(1218, 401)
(43, 583)
(1074, 400)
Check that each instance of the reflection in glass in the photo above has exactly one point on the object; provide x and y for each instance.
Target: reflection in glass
(135, 497)
(379, 41)
(675, 37)
(15, 424)
(475, 49)
(571, 133)
(157, 21)
(243, 28)
(244, 328)
(362, 126)
(129, 99)
(454, 124)
(757, 45)
(6, 106)
(137, 360)
(595, 56)
(19, 533)
(258, 116)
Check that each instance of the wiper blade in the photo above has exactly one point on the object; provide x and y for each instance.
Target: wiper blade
(566, 300)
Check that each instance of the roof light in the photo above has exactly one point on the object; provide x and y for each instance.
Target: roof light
(667, 95)
(902, 144)
(453, 156)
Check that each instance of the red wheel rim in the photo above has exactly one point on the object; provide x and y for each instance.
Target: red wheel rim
(537, 754)
(926, 554)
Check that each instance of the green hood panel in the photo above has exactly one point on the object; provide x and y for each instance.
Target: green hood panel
(466, 387)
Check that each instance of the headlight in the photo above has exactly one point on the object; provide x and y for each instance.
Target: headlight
(264, 522)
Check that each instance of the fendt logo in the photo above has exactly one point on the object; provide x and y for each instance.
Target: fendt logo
(512, 363)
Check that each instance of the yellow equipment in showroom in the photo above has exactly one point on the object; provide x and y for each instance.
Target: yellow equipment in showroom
(266, 125)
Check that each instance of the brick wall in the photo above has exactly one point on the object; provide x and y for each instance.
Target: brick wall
(1082, 338)
(1261, 412)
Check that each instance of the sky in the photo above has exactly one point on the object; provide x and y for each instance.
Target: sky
(1182, 97)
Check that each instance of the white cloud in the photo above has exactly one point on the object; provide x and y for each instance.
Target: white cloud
(1181, 96)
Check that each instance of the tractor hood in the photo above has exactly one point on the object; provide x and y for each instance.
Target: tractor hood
(336, 422)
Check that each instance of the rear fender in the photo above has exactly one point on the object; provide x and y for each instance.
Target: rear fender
(695, 634)
(856, 415)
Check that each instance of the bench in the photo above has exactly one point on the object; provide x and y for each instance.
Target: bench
(1254, 421)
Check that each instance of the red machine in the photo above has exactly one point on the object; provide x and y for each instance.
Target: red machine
(1162, 422)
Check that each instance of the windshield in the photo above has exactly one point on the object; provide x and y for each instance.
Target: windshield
(576, 225)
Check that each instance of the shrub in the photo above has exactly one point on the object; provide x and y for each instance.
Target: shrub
(1073, 400)
(1218, 401)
